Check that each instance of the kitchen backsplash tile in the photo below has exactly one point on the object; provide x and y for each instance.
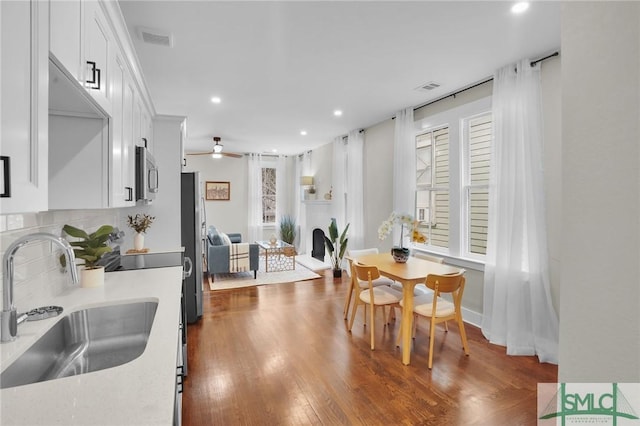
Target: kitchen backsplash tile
(37, 271)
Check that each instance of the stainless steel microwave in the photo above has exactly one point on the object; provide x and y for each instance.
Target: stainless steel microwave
(146, 175)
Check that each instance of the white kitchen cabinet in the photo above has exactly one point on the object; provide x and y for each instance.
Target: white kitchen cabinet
(129, 153)
(24, 33)
(66, 34)
(143, 125)
(121, 164)
(98, 46)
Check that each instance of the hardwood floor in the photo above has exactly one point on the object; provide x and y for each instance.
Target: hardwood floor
(281, 355)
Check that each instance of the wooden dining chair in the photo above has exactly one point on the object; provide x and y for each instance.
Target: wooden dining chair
(354, 283)
(374, 296)
(438, 310)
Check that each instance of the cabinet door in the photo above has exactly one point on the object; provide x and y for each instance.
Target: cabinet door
(65, 34)
(97, 45)
(122, 150)
(117, 193)
(24, 33)
(128, 142)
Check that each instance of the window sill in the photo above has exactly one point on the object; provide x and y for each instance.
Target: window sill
(462, 262)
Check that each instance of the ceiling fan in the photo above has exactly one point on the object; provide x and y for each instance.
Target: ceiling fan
(217, 151)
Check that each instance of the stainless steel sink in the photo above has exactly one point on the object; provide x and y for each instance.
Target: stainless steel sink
(84, 341)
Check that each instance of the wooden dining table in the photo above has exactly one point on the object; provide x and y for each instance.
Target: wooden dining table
(413, 272)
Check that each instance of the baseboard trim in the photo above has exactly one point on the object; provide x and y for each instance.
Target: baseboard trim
(472, 317)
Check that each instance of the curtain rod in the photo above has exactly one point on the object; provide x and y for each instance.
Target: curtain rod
(533, 63)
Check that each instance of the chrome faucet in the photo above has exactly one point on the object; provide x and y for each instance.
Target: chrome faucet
(9, 313)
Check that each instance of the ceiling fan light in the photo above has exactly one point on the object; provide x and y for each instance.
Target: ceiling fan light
(216, 155)
(217, 148)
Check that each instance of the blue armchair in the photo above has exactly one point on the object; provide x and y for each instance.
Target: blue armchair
(226, 253)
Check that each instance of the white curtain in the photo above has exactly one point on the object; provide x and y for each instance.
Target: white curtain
(303, 168)
(355, 187)
(297, 202)
(255, 197)
(339, 180)
(404, 166)
(518, 312)
(282, 197)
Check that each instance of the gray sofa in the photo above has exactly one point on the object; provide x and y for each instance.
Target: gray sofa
(219, 252)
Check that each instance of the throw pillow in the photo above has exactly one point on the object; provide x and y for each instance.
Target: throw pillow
(225, 239)
(214, 237)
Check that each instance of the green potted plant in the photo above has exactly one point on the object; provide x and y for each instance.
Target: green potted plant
(288, 229)
(336, 247)
(139, 223)
(90, 248)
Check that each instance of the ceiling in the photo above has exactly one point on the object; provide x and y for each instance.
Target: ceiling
(283, 67)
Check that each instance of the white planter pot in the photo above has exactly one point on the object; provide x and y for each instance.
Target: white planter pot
(90, 278)
(138, 241)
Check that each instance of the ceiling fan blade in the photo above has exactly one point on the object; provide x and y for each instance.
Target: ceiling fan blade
(231, 154)
(200, 153)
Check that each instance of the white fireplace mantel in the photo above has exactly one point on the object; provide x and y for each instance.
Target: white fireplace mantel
(317, 215)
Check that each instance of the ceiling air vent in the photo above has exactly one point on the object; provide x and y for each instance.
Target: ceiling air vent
(429, 86)
(157, 37)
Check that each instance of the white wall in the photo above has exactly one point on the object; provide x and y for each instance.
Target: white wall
(552, 119)
(600, 298)
(228, 216)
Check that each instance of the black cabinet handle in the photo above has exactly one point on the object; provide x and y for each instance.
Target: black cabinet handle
(130, 192)
(6, 176)
(95, 76)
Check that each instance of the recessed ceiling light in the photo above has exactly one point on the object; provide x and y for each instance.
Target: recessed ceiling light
(337, 113)
(520, 7)
(216, 100)
(303, 132)
(274, 150)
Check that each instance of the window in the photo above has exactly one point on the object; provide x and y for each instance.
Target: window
(453, 153)
(268, 195)
(478, 154)
(432, 185)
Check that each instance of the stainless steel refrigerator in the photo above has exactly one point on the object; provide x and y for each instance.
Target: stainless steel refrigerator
(194, 232)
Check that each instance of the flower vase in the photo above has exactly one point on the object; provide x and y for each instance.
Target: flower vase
(138, 241)
(400, 254)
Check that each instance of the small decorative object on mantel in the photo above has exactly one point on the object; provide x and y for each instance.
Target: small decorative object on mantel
(311, 193)
(335, 247)
(90, 248)
(139, 223)
(401, 254)
(329, 195)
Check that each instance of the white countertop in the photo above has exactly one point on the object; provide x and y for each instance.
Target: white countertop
(140, 392)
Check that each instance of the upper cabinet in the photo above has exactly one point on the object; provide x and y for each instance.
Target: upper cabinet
(82, 44)
(98, 46)
(24, 33)
(99, 110)
(66, 35)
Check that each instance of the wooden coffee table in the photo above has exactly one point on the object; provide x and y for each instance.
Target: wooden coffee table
(279, 256)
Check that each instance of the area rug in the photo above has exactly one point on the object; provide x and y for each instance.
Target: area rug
(245, 279)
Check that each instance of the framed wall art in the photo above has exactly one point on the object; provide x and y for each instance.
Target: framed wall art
(218, 191)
